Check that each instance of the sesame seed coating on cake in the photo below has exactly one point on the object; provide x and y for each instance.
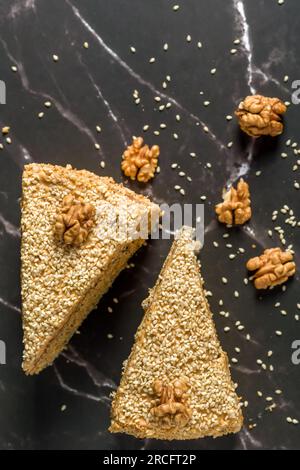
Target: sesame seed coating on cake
(62, 283)
(177, 341)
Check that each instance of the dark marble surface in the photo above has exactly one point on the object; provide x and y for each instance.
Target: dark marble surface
(95, 86)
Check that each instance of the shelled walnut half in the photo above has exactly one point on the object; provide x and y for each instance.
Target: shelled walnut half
(170, 404)
(273, 267)
(74, 221)
(259, 115)
(236, 208)
(139, 161)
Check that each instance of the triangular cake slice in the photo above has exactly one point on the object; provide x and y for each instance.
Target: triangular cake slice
(63, 280)
(176, 383)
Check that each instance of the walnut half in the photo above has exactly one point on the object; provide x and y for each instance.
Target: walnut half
(259, 115)
(74, 221)
(170, 403)
(236, 208)
(139, 161)
(273, 267)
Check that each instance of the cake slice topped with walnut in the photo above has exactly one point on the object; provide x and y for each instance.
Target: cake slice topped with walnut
(176, 383)
(71, 251)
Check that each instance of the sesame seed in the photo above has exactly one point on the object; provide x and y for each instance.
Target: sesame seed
(5, 130)
(102, 164)
(47, 104)
(228, 117)
(8, 140)
(86, 45)
(213, 71)
(14, 68)
(98, 128)
(40, 115)
(152, 60)
(55, 57)
(97, 146)
(175, 7)
(278, 333)
(166, 47)
(224, 280)
(189, 38)
(233, 51)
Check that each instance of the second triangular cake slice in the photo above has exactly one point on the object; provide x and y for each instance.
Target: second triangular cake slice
(70, 251)
(176, 383)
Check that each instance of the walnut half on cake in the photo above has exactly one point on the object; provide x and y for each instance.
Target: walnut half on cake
(70, 255)
(176, 383)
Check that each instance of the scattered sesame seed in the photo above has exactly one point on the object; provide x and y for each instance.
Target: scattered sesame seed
(166, 47)
(5, 130)
(213, 71)
(55, 58)
(8, 140)
(233, 51)
(146, 127)
(14, 68)
(63, 407)
(278, 333)
(224, 280)
(175, 7)
(228, 117)
(178, 117)
(152, 60)
(97, 146)
(236, 294)
(86, 45)
(41, 115)
(199, 44)
(189, 38)
(98, 128)
(102, 164)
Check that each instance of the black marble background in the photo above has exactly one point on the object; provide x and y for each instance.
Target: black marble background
(95, 86)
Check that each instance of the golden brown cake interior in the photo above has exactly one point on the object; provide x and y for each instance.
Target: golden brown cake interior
(62, 283)
(176, 382)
